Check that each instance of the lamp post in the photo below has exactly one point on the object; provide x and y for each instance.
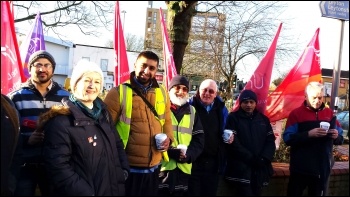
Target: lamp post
(123, 11)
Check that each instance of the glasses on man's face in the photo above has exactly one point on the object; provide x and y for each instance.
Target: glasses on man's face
(211, 91)
(39, 65)
(150, 67)
(183, 88)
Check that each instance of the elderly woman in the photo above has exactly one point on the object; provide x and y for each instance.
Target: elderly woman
(83, 152)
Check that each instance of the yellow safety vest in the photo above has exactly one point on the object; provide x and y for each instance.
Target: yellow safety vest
(182, 135)
(125, 97)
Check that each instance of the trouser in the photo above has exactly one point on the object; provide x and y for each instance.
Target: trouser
(142, 184)
(32, 175)
(299, 182)
(204, 179)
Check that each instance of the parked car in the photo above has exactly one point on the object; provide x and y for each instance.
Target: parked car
(343, 118)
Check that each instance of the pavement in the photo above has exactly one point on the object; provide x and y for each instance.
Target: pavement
(344, 149)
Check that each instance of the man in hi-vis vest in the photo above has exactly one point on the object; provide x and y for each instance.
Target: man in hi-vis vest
(140, 109)
(188, 133)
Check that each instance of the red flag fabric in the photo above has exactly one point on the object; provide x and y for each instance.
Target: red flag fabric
(34, 42)
(169, 65)
(260, 80)
(290, 93)
(11, 67)
(122, 72)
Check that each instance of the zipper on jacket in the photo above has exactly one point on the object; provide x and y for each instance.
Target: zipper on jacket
(44, 102)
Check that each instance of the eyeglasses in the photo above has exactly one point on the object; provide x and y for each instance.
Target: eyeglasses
(183, 88)
(39, 65)
(211, 91)
(151, 68)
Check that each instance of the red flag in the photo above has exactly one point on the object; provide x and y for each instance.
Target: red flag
(290, 93)
(260, 80)
(122, 66)
(11, 66)
(169, 65)
(34, 42)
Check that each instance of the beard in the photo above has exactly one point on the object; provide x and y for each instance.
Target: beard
(178, 100)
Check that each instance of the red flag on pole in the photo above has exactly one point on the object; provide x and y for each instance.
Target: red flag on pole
(11, 67)
(34, 42)
(260, 80)
(169, 65)
(290, 93)
(122, 66)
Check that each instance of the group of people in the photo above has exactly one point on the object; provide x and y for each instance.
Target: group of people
(74, 143)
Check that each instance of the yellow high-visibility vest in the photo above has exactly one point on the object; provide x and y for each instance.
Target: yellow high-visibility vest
(182, 135)
(125, 97)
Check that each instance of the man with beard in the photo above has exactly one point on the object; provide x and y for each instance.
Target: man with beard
(33, 98)
(188, 131)
(140, 109)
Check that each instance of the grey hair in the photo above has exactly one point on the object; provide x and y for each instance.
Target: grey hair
(314, 86)
(209, 81)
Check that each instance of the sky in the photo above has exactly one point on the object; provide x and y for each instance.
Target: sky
(307, 18)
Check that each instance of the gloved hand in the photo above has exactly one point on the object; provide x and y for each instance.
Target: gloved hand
(174, 153)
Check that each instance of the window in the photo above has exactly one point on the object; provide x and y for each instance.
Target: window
(104, 64)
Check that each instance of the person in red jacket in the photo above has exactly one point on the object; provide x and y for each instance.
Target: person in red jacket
(311, 147)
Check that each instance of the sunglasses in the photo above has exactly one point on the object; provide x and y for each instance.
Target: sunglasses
(211, 91)
(183, 88)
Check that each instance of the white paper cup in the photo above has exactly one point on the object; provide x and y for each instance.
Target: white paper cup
(159, 140)
(227, 135)
(183, 147)
(325, 125)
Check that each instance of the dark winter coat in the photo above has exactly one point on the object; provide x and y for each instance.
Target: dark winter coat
(252, 149)
(83, 157)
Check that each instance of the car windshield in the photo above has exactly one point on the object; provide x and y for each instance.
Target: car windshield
(341, 115)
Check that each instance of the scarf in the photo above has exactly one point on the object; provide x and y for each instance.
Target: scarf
(93, 113)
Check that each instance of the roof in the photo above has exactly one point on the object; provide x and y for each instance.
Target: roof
(329, 73)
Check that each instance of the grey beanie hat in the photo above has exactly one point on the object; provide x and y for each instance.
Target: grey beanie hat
(179, 80)
(41, 54)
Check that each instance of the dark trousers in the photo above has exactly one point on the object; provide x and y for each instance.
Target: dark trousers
(32, 175)
(142, 184)
(298, 183)
(204, 178)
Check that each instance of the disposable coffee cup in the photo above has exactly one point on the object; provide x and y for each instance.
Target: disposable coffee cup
(159, 140)
(325, 125)
(227, 135)
(183, 147)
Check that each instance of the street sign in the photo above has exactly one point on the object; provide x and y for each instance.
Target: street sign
(335, 9)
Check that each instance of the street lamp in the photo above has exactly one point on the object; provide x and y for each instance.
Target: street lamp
(123, 11)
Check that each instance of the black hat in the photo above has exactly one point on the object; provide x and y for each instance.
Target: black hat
(247, 95)
(41, 54)
(179, 80)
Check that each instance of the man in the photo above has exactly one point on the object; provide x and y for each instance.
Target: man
(140, 109)
(311, 146)
(249, 156)
(212, 112)
(188, 131)
(33, 98)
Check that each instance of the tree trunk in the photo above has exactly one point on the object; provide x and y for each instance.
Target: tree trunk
(179, 22)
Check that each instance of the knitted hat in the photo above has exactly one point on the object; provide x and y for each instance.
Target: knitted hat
(41, 54)
(179, 80)
(82, 67)
(247, 95)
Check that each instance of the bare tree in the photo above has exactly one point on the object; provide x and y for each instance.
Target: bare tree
(240, 30)
(87, 16)
(133, 43)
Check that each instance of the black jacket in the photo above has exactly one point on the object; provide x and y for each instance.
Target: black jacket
(254, 140)
(83, 157)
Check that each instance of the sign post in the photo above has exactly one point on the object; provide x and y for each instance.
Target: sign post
(337, 10)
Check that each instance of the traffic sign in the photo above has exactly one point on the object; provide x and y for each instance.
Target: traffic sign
(335, 9)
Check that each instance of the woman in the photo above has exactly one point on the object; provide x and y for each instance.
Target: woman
(83, 152)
